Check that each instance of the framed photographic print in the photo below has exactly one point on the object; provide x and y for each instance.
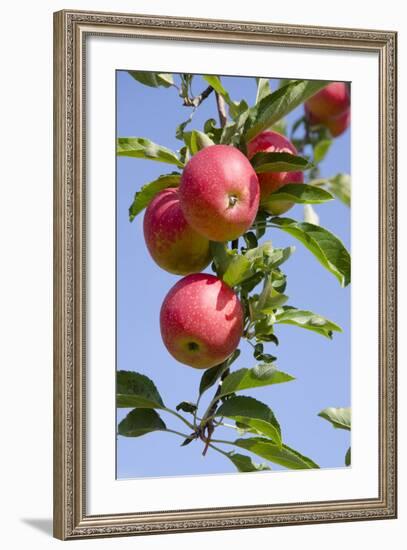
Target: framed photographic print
(225, 274)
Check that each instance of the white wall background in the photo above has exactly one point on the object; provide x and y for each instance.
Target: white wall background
(26, 264)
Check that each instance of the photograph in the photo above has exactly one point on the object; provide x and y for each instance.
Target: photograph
(233, 274)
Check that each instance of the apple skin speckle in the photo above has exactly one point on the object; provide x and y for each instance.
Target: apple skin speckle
(219, 193)
(201, 321)
(171, 241)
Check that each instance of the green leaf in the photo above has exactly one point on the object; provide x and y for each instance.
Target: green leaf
(325, 246)
(143, 148)
(238, 270)
(212, 375)
(279, 162)
(272, 257)
(259, 354)
(348, 458)
(284, 456)
(235, 109)
(186, 406)
(252, 413)
(300, 193)
(321, 149)
(153, 79)
(278, 104)
(140, 422)
(244, 463)
(179, 131)
(272, 301)
(196, 141)
(212, 131)
(146, 194)
(250, 240)
(338, 417)
(137, 390)
(264, 331)
(263, 89)
(307, 320)
(220, 256)
(340, 187)
(260, 375)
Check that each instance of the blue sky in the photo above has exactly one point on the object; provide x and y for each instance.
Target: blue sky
(321, 366)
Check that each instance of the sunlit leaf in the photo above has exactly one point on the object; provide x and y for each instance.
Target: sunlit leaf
(151, 79)
(307, 320)
(340, 187)
(263, 88)
(146, 194)
(339, 417)
(260, 375)
(326, 247)
(284, 456)
(278, 104)
(143, 148)
(321, 149)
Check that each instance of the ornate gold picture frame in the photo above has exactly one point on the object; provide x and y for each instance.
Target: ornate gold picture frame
(71, 31)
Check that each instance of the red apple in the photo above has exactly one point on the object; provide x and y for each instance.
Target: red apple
(336, 125)
(329, 102)
(201, 321)
(171, 241)
(219, 192)
(273, 142)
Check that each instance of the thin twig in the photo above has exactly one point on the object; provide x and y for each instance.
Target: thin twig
(184, 420)
(220, 102)
(197, 100)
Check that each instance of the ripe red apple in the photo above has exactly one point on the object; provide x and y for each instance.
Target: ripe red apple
(329, 102)
(273, 142)
(336, 125)
(201, 321)
(171, 241)
(219, 192)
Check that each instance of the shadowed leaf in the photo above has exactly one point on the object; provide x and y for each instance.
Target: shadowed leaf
(244, 463)
(210, 376)
(279, 162)
(137, 390)
(140, 422)
(300, 193)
